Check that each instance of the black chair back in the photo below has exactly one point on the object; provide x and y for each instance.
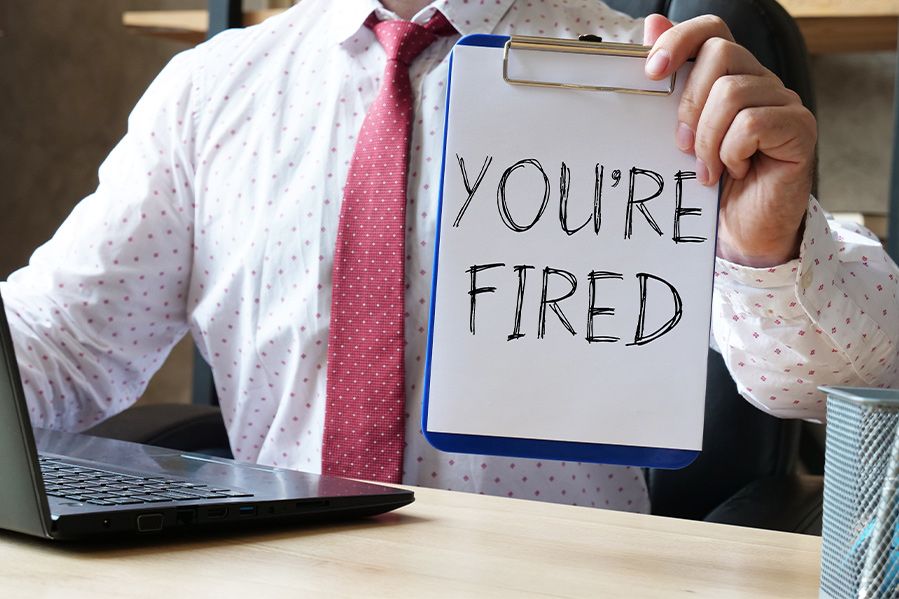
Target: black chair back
(741, 444)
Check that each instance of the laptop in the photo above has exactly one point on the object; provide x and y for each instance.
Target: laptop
(67, 486)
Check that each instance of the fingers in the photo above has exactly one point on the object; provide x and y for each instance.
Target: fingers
(653, 27)
(729, 96)
(786, 134)
(716, 59)
(727, 91)
(681, 42)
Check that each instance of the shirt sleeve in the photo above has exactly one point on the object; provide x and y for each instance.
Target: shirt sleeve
(100, 305)
(827, 318)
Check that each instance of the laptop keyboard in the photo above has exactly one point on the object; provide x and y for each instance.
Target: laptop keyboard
(100, 487)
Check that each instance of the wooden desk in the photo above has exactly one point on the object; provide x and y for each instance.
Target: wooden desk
(445, 544)
(827, 25)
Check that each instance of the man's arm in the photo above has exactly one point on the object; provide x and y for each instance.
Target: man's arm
(100, 305)
(747, 131)
(827, 318)
(799, 302)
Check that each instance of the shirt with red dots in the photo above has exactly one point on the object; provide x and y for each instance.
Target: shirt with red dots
(217, 213)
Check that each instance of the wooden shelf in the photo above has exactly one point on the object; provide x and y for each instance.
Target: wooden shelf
(802, 9)
(828, 25)
(188, 26)
(829, 35)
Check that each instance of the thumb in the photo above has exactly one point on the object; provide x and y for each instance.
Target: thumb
(653, 27)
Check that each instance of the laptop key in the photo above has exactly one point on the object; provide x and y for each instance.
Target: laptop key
(115, 494)
(97, 496)
(177, 496)
(125, 500)
(189, 492)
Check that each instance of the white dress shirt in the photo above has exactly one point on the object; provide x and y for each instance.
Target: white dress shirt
(828, 318)
(217, 214)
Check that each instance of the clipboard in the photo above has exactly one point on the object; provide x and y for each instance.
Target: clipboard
(573, 263)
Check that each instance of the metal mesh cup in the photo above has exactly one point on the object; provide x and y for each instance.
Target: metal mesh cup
(860, 551)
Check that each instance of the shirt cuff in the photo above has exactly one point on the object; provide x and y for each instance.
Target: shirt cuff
(813, 287)
(821, 287)
(768, 292)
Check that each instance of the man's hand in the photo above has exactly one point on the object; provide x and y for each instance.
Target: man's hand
(745, 129)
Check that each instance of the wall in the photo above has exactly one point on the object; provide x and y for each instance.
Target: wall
(855, 122)
(69, 75)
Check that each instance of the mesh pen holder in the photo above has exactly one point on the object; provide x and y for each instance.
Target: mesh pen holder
(860, 545)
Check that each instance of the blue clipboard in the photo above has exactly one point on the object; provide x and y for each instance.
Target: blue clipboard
(523, 446)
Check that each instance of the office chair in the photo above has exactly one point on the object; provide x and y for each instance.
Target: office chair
(747, 473)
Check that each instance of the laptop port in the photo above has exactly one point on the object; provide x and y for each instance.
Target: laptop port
(217, 513)
(247, 510)
(185, 517)
(149, 522)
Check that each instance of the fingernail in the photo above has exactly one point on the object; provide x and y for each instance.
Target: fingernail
(658, 62)
(702, 172)
(684, 137)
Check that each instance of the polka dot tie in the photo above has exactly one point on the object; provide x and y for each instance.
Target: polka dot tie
(364, 418)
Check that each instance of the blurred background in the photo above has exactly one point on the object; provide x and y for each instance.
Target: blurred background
(70, 71)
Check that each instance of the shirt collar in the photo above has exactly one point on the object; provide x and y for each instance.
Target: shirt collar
(473, 16)
(349, 17)
(467, 16)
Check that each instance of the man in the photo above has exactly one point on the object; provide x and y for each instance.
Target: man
(220, 210)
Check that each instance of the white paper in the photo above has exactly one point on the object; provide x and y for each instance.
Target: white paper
(562, 387)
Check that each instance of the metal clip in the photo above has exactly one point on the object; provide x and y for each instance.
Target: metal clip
(584, 45)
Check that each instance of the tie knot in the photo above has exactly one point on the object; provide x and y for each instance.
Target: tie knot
(404, 40)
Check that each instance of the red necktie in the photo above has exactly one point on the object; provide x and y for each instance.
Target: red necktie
(364, 417)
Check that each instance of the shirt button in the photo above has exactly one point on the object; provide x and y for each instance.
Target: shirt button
(806, 280)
